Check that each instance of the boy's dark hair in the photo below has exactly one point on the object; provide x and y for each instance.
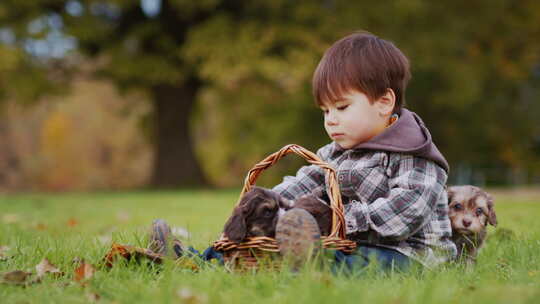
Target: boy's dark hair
(364, 62)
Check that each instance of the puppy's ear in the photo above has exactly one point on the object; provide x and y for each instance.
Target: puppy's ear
(283, 203)
(492, 216)
(451, 191)
(235, 228)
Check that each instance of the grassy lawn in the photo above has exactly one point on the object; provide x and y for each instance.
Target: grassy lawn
(64, 226)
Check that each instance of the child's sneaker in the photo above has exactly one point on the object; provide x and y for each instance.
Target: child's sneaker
(297, 234)
(162, 241)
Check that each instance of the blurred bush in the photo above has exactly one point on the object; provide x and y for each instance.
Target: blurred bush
(239, 72)
(90, 139)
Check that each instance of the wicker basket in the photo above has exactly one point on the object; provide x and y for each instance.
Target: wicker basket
(255, 252)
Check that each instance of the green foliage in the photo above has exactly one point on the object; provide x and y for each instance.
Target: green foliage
(475, 68)
(22, 80)
(473, 77)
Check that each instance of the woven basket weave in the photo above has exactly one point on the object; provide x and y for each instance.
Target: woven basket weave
(253, 251)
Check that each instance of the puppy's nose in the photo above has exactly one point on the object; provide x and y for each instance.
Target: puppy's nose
(466, 223)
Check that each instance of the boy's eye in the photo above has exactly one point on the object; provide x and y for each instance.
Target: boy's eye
(342, 107)
(458, 206)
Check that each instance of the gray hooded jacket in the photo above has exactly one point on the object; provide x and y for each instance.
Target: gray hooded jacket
(393, 189)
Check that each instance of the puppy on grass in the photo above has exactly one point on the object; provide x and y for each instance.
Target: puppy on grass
(259, 210)
(470, 210)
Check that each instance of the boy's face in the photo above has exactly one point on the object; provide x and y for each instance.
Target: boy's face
(353, 119)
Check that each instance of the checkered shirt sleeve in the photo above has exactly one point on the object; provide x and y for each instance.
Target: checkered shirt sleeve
(308, 180)
(414, 188)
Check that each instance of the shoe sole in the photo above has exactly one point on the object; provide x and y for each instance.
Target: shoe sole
(297, 234)
(158, 237)
(161, 238)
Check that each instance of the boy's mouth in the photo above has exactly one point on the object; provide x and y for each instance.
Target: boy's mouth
(336, 135)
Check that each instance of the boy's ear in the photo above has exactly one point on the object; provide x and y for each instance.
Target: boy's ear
(386, 102)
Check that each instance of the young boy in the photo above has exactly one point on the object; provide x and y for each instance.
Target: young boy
(391, 175)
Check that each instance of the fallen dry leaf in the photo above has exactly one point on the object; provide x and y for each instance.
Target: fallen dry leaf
(77, 260)
(187, 263)
(72, 222)
(45, 266)
(63, 284)
(105, 239)
(92, 296)
(3, 253)
(10, 218)
(123, 216)
(188, 296)
(41, 226)
(17, 277)
(84, 271)
(129, 252)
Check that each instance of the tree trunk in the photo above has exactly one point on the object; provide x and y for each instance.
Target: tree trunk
(175, 164)
(8, 158)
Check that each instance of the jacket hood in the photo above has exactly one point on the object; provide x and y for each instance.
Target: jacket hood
(407, 135)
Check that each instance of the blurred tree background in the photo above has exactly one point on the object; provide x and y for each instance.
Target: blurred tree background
(115, 94)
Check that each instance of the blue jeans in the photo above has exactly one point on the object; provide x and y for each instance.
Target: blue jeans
(208, 254)
(387, 259)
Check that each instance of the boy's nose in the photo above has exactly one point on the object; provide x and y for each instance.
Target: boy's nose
(331, 120)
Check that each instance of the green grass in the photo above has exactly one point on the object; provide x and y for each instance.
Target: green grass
(35, 226)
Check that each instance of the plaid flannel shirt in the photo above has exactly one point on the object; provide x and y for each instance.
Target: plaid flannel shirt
(391, 200)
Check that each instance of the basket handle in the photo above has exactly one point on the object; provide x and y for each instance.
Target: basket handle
(332, 185)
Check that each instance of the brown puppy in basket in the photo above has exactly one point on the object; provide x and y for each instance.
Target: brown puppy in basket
(470, 211)
(319, 209)
(259, 210)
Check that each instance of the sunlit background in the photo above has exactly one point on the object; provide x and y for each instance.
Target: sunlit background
(124, 94)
